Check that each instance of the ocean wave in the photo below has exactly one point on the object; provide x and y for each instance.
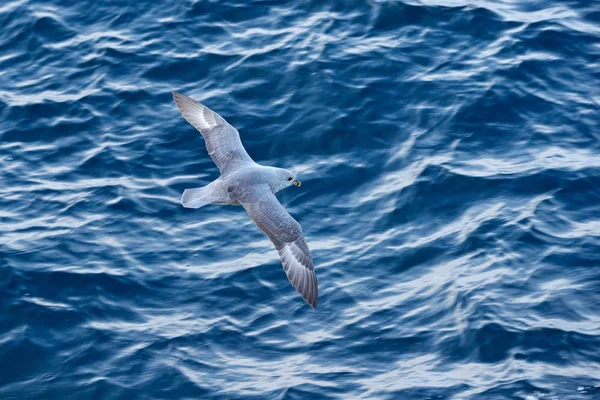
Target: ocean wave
(449, 158)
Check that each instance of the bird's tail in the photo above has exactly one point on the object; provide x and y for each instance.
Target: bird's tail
(195, 198)
(214, 193)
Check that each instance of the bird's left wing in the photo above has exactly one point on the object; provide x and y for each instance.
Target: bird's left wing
(222, 140)
(286, 234)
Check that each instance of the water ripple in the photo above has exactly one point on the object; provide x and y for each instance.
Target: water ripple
(449, 153)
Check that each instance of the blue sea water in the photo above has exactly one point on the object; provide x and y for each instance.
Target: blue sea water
(450, 155)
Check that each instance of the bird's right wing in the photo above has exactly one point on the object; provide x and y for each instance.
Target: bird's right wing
(222, 140)
(286, 234)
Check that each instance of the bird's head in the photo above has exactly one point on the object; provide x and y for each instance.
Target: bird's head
(291, 179)
(287, 178)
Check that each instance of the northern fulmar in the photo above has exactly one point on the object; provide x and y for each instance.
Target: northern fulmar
(244, 182)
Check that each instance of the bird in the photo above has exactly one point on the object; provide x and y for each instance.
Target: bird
(253, 186)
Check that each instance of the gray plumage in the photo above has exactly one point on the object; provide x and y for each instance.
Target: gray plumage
(244, 182)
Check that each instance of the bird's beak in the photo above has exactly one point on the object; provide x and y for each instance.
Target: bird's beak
(297, 183)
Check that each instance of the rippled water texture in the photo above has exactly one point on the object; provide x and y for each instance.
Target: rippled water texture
(451, 165)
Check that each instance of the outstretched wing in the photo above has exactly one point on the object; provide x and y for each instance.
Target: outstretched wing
(222, 140)
(286, 234)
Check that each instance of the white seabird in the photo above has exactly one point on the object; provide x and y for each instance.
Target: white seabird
(245, 182)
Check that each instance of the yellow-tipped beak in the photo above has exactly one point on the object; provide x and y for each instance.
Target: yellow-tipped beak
(298, 183)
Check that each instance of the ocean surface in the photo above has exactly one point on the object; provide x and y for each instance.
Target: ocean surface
(450, 158)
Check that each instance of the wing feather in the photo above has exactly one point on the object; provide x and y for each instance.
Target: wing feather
(222, 140)
(287, 236)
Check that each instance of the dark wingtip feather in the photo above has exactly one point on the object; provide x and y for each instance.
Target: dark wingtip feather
(312, 295)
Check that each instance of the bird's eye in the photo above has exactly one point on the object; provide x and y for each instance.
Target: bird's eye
(289, 179)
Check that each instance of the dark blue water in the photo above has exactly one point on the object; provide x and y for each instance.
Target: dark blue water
(450, 154)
